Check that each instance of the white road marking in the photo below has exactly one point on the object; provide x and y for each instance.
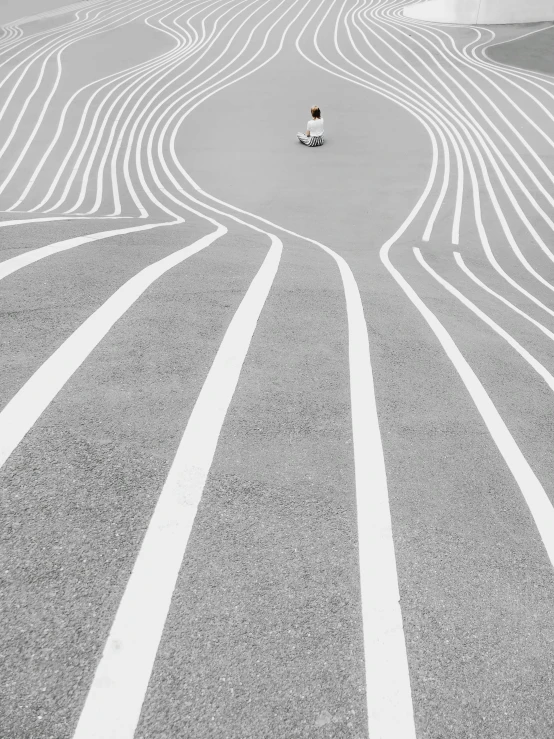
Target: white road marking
(23, 410)
(385, 653)
(475, 129)
(112, 708)
(533, 492)
(389, 696)
(460, 262)
(23, 221)
(527, 356)
(9, 266)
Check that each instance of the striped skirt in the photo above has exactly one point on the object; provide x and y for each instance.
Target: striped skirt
(310, 140)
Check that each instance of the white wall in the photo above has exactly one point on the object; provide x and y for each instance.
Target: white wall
(480, 12)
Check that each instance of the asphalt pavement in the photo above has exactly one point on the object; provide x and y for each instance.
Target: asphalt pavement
(199, 540)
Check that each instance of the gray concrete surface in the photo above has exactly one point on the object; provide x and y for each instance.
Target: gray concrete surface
(533, 51)
(264, 634)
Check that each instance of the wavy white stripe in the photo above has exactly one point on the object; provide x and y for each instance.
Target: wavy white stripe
(109, 150)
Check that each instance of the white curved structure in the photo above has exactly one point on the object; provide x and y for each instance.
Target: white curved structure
(482, 12)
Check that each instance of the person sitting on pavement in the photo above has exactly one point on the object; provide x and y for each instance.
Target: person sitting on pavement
(314, 134)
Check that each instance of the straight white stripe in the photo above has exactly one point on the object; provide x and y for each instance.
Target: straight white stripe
(389, 696)
(31, 401)
(114, 703)
(533, 492)
(9, 266)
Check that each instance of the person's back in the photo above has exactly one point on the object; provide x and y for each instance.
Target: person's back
(315, 127)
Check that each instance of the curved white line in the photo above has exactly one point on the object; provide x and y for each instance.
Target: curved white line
(30, 402)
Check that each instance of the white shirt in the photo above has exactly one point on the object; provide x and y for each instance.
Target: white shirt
(315, 127)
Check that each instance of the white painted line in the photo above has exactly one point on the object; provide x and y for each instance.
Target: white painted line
(460, 262)
(23, 221)
(389, 696)
(85, 29)
(512, 69)
(9, 266)
(112, 708)
(479, 132)
(482, 137)
(23, 410)
(533, 492)
(529, 358)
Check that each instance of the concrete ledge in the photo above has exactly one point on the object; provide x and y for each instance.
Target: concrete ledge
(482, 12)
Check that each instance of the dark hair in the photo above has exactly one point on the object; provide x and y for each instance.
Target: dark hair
(316, 113)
